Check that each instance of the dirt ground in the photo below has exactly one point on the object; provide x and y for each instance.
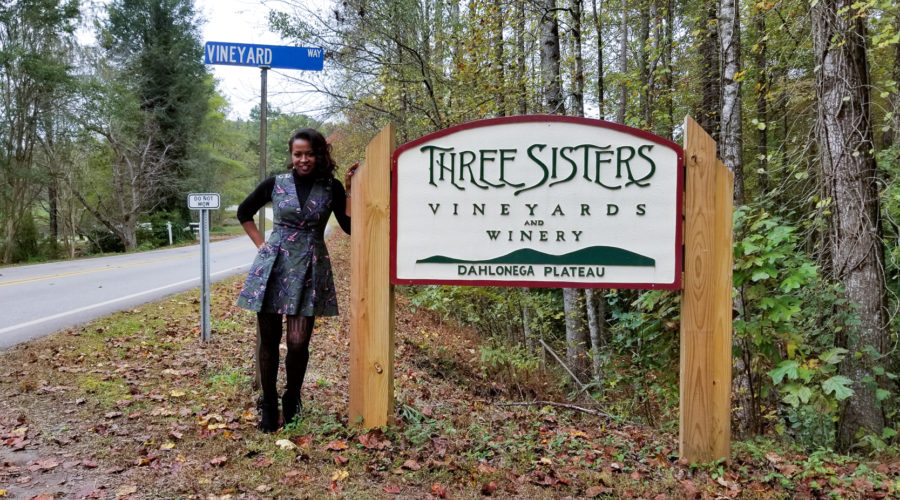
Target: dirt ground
(135, 406)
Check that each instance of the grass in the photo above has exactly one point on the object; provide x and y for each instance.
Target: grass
(139, 394)
(227, 230)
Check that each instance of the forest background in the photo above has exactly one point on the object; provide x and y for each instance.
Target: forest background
(102, 142)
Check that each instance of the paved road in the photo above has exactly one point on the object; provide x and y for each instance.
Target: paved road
(40, 299)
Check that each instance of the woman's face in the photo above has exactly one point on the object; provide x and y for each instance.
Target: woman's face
(302, 157)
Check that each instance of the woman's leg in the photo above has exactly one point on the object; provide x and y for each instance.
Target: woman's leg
(299, 332)
(270, 331)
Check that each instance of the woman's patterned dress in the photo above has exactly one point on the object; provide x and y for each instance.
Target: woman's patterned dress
(292, 271)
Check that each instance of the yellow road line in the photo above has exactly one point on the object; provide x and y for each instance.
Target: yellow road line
(105, 268)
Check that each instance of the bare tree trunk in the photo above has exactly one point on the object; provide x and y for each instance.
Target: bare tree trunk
(709, 72)
(522, 100)
(891, 135)
(729, 29)
(623, 64)
(598, 27)
(732, 137)
(576, 330)
(499, 77)
(762, 101)
(844, 137)
(644, 61)
(578, 76)
(128, 234)
(550, 72)
(71, 228)
(573, 299)
(53, 199)
(438, 31)
(668, 82)
(596, 312)
(653, 63)
(52, 183)
(527, 312)
(11, 231)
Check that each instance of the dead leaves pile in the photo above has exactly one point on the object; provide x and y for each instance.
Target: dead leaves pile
(138, 400)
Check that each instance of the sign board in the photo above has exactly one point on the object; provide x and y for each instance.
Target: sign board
(542, 201)
(203, 201)
(272, 56)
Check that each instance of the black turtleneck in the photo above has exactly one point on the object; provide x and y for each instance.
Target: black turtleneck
(304, 183)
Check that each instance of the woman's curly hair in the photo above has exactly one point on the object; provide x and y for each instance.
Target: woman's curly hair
(325, 165)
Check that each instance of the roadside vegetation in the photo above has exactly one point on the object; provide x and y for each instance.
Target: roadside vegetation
(135, 406)
(100, 143)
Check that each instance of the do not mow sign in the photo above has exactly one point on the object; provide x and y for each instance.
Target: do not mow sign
(538, 201)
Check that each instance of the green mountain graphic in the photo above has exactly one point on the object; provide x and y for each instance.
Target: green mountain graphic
(591, 256)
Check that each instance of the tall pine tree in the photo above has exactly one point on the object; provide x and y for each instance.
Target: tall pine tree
(156, 44)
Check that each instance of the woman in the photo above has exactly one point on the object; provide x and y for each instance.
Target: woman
(291, 274)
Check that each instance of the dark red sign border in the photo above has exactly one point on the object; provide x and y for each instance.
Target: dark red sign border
(675, 285)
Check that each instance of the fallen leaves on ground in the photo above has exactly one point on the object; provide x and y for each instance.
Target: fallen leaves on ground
(137, 399)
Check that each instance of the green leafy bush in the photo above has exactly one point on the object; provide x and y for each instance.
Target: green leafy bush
(26, 246)
(508, 364)
(641, 361)
(493, 311)
(154, 232)
(786, 329)
(103, 241)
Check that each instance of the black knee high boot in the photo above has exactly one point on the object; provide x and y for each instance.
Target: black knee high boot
(299, 331)
(270, 331)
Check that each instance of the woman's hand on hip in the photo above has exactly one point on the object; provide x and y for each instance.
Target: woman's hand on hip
(348, 177)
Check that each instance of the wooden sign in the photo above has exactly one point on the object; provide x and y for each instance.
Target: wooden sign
(425, 171)
(543, 201)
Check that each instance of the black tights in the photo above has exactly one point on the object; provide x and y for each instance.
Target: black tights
(299, 331)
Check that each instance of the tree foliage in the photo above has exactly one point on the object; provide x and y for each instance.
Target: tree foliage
(35, 36)
(426, 65)
(140, 111)
(155, 45)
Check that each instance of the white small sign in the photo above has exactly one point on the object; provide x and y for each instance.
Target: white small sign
(538, 201)
(203, 201)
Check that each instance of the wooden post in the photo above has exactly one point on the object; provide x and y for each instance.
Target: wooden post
(371, 294)
(705, 399)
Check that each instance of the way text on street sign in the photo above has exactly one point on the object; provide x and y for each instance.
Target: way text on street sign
(203, 201)
(273, 56)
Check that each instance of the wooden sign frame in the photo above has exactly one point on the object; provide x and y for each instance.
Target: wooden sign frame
(706, 360)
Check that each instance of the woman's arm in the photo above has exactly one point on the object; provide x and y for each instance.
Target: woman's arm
(254, 234)
(340, 205)
(251, 205)
(348, 177)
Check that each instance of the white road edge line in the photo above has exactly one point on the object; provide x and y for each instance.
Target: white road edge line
(113, 301)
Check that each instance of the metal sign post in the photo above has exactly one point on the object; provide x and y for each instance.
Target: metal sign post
(263, 129)
(204, 202)
(204, 274)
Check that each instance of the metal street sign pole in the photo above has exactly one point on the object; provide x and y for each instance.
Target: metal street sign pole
(204, 202)
(204, 250)
(263, 128)
(261, 224)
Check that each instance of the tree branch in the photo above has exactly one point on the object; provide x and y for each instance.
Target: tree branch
(567, 406)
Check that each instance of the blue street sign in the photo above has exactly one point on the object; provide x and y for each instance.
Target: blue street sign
(273, 56)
